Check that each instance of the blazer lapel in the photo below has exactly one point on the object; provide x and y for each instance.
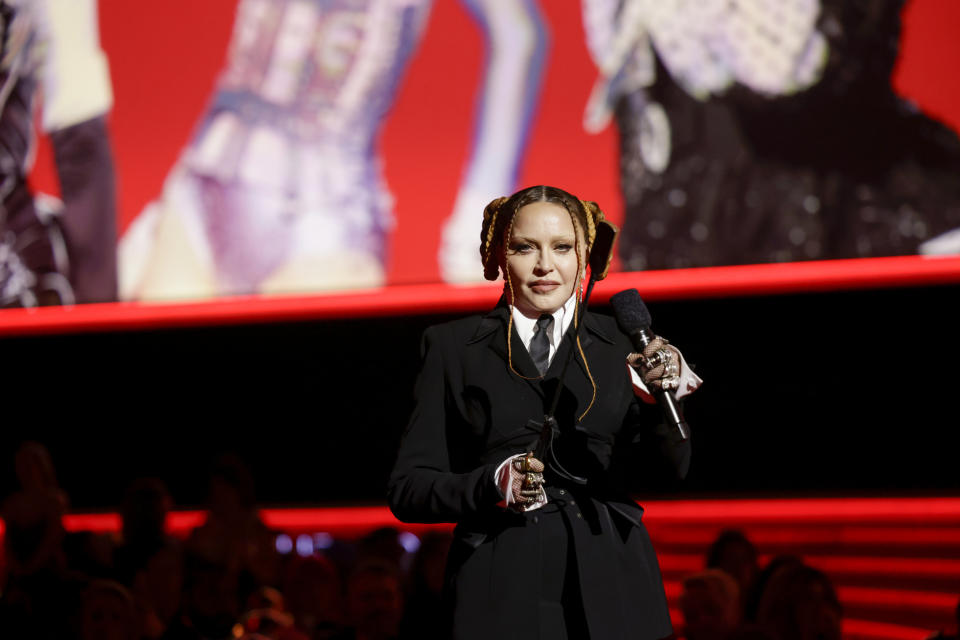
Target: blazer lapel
(493, 330)
(590, 332)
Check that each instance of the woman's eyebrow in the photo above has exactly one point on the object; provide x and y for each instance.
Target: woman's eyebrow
(563, 237)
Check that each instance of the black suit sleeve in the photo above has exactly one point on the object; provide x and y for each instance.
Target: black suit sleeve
(650, 454)
(422, 487)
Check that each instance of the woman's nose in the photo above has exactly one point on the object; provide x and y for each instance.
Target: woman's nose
(545, 262)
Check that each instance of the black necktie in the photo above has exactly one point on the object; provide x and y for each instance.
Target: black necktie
(540, 345)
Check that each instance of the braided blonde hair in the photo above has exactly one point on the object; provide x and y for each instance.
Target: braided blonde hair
(498, 219)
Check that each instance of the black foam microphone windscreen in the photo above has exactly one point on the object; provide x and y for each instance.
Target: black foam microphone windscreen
(630, 311)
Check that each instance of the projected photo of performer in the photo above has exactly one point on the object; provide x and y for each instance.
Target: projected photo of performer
(554, 547)
(55, 251)
(280, 188)
(767, 131)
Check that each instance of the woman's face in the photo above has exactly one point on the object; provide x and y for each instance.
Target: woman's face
(541, 258)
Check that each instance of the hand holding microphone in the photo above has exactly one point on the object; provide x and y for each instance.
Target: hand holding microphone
(658, 365)
(659, 362)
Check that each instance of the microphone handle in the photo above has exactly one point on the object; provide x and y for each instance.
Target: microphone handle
(671, 408)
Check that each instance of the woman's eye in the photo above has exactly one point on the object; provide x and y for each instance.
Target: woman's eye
(563, 248)
(521, 248)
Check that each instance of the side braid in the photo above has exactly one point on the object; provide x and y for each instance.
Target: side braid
(580, 267)
(488, 236)
(594, 217)
(590, 210)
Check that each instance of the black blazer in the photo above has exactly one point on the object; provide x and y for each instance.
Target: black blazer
(472, 413)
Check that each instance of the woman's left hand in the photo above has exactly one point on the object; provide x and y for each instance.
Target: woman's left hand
(658, 365)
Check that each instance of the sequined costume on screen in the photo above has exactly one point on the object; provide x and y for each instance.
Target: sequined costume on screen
(280, 188)
(54, 252)
(767, 131)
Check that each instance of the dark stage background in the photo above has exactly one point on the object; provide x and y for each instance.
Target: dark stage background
(819, 393)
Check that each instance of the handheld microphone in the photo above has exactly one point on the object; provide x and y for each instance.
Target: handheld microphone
(634, 320)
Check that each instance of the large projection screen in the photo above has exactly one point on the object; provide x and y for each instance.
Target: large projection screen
(343, 150)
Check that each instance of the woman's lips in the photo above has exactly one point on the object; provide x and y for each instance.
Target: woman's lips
(544, 286)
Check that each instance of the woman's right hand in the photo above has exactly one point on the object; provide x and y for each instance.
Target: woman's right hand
(527, 480)
(520, 480)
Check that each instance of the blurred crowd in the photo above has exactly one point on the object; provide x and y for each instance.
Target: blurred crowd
(226, 579)
(735, 599)
(233, 577)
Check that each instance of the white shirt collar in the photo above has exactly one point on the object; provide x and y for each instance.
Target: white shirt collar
(562, 318)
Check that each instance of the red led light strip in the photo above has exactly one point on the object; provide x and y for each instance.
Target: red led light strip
(853, 628)
(945, 568)
(738, 280)
(898, 598)
(928, 510)
(884, 566)
(337, 519)
(867, 596)
(807, 534)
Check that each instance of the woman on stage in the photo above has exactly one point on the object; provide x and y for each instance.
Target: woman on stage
(541, 552)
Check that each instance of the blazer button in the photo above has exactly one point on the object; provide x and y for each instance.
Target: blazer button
(562, 492)
(536, 519)
(573, 502)
(579, 515)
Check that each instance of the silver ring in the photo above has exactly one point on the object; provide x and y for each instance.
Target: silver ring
(661, 356)
(666, 356)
